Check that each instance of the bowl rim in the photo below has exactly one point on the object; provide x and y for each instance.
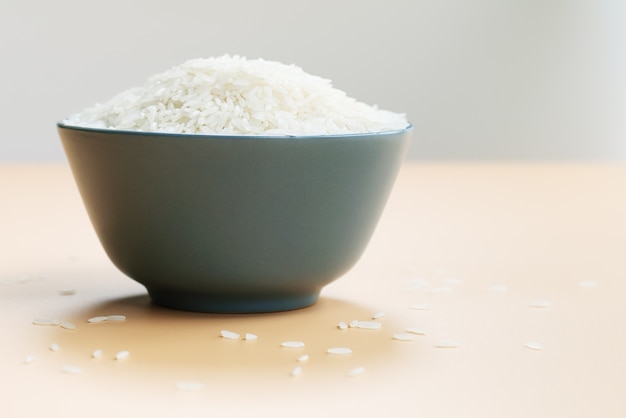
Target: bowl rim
(110, 131)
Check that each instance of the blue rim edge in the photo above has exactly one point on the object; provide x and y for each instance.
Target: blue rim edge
(62, 125)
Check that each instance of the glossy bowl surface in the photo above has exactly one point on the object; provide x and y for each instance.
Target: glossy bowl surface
(233, 223)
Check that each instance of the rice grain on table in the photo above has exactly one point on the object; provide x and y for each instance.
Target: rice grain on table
(416, 331)
(68, 326)
(71, 369)
(232, 95)
(339, 350)
(369, 325)
(533, 345)
(447, 344)
(378, 315)
(296, 371)
(97, 319)
(46, 321)
(403, 336)
(229, 335)
(124, 354)
(539, 304)
(356, 371)
(292, 344)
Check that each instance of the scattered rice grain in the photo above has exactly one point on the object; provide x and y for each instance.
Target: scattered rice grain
(30, 359)
(97, 354)
(296, 371)
(122, 355)
(46, 321)
(420, 307)
(447, 344)
(71, 369)
(403, 336)
(303, 358)
(292, 344)
(416, 331)
(533, 345)
(68, 325)
(369, 325)
(250, 337)
(116, 318)
(54, 347)
(96, 319)
(540, 304)
(342, 325)
(378, 315)
(356, 371)
(339, 350)
(354, 323)
(229, 335)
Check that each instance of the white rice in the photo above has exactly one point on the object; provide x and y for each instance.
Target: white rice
(122, 355)
(71, 369)
(339, 350)
(540, 303)
(46, 321)
(447, 344)
(404, 336)
(356, 371)
(533, 345)
(416, 331)
(232, 95)
(97, 319)
(229, 335)
(296, 371)
(369, 325)
(292, 344)
(68, 326)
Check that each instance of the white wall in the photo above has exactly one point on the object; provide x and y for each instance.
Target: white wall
(480, 79)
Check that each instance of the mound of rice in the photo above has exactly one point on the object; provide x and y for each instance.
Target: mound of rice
(235, 96)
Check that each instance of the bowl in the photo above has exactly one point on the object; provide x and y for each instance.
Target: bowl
(233, 224)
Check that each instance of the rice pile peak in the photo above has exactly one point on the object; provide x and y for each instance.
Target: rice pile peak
(232, 95)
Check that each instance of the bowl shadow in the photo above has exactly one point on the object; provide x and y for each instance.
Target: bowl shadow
(169, 345)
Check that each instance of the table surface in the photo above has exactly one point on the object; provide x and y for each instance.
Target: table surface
(462, 253)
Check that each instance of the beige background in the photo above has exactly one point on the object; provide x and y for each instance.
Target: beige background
(481, 79)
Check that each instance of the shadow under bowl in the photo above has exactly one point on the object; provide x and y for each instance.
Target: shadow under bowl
(233, 224)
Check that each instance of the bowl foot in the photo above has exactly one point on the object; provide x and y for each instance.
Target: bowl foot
(197, 302)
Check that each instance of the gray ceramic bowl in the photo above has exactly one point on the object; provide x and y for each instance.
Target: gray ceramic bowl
(233, 223)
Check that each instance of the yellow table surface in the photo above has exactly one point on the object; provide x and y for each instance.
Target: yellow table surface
(461, 252)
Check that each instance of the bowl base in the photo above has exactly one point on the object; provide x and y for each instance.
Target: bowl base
(193, 301)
